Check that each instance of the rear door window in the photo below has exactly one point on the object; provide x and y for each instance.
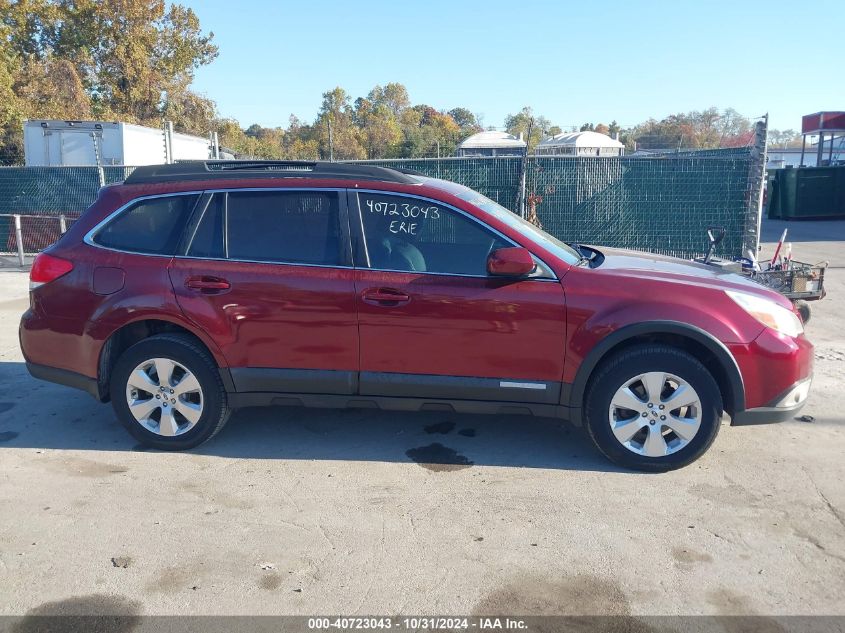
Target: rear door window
(152, 226)
(207, 241)
(416, 235)
(284, 226)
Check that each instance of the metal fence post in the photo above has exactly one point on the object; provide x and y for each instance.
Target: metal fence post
(62, 224)
(756, 187)
(19, 238)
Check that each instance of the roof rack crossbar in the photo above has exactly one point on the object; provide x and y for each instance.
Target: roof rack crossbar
(219, 169)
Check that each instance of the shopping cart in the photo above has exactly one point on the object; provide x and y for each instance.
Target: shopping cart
(799, 282)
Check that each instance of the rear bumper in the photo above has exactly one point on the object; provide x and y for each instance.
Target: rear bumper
(64, 377)
(59, 349)
(781, 409)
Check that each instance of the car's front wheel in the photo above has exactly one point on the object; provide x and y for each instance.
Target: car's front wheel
(653, 408)
(167, 392)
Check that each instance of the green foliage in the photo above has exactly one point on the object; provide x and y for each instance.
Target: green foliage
(134, 61)
(466, 120)
(784, 138)
(131, 60)
(525, 120)
(706, 129)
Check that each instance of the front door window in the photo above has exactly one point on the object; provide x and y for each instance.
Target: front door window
(406, 234)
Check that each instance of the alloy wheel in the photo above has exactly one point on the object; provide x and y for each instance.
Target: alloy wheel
(655, 414)
(164, 397)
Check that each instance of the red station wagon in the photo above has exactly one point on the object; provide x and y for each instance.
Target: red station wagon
(192, 289)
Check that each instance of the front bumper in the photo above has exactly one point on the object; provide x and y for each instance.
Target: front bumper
(781, 409)
(776, 372)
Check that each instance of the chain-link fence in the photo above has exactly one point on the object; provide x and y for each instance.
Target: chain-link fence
(662, 203)
(22, 234)
(54, 190)
(37, 204)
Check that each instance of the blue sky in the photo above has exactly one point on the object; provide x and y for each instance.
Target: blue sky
(573, 62)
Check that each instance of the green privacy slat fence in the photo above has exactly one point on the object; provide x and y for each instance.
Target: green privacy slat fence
(496, 178)
(662, 203)
(657, 204)
(53, 190)
(39, 192)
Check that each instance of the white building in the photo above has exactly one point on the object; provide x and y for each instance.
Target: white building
(779, 158)
(580, 144)
(492, 143)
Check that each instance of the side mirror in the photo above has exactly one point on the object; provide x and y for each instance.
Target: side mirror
(510, 262)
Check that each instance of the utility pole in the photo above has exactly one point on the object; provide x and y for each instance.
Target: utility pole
(756, 184)
(101, 176)
(331, 140)
(521, 194)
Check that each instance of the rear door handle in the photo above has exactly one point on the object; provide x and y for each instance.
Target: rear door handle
(387, 297)
(207, 284)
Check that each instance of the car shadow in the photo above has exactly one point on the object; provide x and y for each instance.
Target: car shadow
(36, 414)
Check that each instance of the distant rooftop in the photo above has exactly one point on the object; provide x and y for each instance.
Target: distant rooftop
(492, 139)
(580, 139)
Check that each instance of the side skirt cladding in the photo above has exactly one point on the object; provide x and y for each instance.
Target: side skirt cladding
(394, 391)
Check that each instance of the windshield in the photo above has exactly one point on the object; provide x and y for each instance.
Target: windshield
(538, 235)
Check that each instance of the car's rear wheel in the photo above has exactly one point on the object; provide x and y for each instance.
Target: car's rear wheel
(167, 392)
(653, 408)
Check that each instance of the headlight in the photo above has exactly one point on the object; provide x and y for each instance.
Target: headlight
(768, 313)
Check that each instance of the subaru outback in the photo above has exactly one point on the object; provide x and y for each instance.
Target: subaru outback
(192, 289)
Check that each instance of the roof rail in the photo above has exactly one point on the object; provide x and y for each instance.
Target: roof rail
(232, 169)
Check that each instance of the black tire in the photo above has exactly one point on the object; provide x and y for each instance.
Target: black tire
(803, 309)
(626, 365)
(190, 353)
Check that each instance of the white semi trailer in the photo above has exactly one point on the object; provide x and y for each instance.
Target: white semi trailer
(51, 143)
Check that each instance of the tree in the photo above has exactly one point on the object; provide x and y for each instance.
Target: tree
(466, 120)
(705, 129)
(395, 97)
(428, 132)
(189, 111)
(601, 128)
(131, 60)
(525, 119)
(732, 127)
(380, 130)
(131, 53)
(300, 142)
(785, 138)
(335, 131)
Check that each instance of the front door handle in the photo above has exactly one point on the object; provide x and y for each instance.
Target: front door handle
(387, 297)
(207, 284)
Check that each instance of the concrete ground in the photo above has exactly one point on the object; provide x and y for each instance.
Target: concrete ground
(294, 511)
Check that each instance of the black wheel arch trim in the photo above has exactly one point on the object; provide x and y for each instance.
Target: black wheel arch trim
(105, 358)
(604, 346)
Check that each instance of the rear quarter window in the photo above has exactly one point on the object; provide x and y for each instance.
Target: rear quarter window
(153, 226)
